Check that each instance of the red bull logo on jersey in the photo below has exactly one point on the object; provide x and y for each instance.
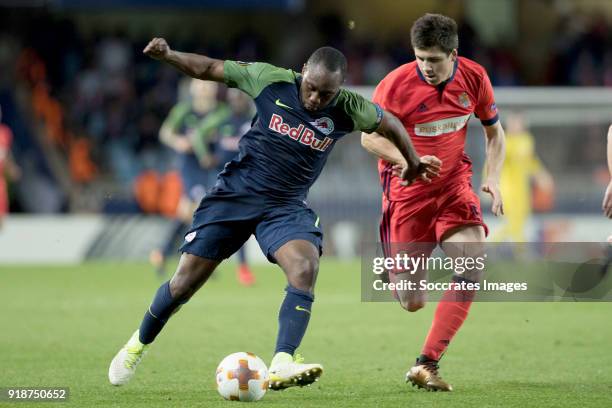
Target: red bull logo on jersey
(324, 124)
(300, 134)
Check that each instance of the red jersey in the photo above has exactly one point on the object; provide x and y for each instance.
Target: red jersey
(436, 118)
(6, 137)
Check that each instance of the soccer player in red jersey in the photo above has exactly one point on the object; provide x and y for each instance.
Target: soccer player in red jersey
(6, 162)
(434, 97)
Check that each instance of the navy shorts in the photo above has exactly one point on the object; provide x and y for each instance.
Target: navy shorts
(225, 220)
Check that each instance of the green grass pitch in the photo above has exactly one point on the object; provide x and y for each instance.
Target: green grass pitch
(61, 326)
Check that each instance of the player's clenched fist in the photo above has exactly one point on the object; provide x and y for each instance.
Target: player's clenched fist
(157, 48)
(428, 168)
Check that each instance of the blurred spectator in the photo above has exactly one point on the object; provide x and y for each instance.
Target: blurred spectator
(377, 66)
(114, 55)
(581, 51)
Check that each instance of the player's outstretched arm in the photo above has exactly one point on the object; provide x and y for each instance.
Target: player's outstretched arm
(194, 65)
(607, 201)
(392, 143)
(496, 152)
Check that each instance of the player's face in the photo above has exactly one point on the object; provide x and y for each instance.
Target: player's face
(203, 94)
(319, 87)
(435, 65)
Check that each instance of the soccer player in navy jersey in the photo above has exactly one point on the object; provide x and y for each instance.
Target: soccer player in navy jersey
(300, 117)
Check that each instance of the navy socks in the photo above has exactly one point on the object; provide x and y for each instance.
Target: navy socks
(158, 314)
(293, 319)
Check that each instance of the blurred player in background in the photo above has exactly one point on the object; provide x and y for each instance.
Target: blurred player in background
(263, 191)
(434, 98)
(522, 166)
(218, 145)
(182, 126)
(8, 167)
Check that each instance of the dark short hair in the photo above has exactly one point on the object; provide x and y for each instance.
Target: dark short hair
(332, 59)
(435, 30)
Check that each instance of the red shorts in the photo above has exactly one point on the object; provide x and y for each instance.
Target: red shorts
(425, 218)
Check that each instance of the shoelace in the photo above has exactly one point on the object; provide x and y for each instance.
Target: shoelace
(134, 356)
(431, 365)
(298, 359)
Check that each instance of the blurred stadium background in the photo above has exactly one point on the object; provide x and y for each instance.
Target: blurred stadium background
(85, 106)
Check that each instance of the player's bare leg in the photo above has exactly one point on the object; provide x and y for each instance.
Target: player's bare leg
(453, 308)
(191, 273)
(466, 241)
(410, 300)
(299, 259)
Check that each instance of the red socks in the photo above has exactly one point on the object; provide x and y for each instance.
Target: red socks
(450, 315)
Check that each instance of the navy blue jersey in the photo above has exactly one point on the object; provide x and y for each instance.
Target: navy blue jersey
(284, 152)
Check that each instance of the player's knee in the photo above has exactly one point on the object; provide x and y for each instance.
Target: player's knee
(303, 272)
(191, 274)
(181, 288)
(184, 285)
(412, 305)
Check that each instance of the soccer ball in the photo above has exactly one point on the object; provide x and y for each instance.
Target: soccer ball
(242, 377)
